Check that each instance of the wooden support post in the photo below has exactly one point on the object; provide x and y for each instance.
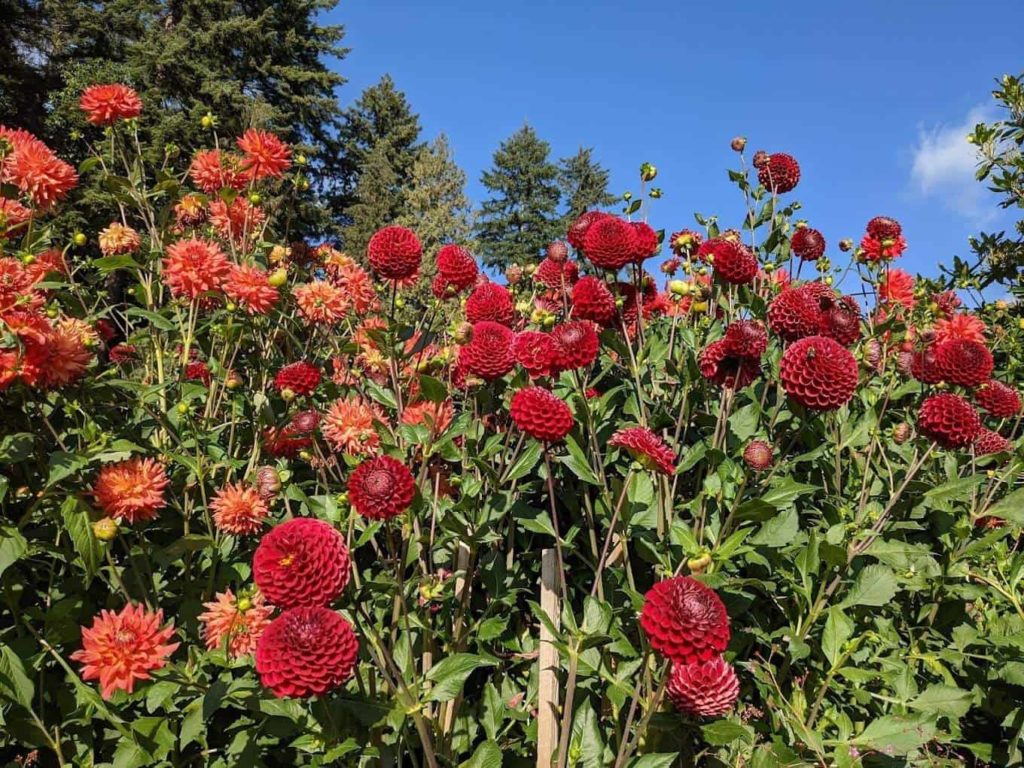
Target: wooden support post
(548, 662)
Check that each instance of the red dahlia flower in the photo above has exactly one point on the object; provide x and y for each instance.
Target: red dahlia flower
(306, 651)
(685, 242)
(591, 300)
(818, 373)
(924, 366)
(795, 313)
(988, 442)
(840, 319)
(722, 367)
(703, 689)
(884, 228)
(647, 244)
(780, 173)
(647, 448)
(489, 352)
(381, 488)
(962, 325)
(575, 344)
(733, 262)
(456, 267)
(578, 229)
(557, 274)
(949, 420)
(394, 253)
(998, 399)
(610, 243)
(300, 377)
(967, 363)
(873, 249)
(490, 301)
(897, 287)
(540, 414)
(106, 104)
(301, 562)
(685, 620)
(746, 338)
(535, 352)
(808, 243)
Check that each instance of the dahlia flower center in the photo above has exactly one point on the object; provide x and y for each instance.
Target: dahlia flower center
(124, 638)
(379, 482)
(287, 560)
(693, 606)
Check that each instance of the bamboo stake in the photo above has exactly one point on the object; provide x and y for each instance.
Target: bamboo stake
(548, 662)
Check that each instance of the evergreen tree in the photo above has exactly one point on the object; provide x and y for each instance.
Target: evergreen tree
(377, 201)
(22, 79)
(584, 184)
(521, 216)
(381, 114)
(436, 206)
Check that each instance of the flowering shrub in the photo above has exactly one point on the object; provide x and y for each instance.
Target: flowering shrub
(252, 516)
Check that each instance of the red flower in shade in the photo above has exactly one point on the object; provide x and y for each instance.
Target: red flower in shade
(946, 303)
(780, 173)
(301, 562)
(575, 344)
(884, 228)
(132, 489)
(988, 442)
(998, 399)
(704, 689)
(456, 267)
(685, 242)
(490, 301)
(283, 443)
(795, 313)
(535, 352)
(12, 214)
(32, 167)
(873, 249)
(236, 221)
(733, 261)
(746, 338)
(190, 211)
(489, 353)
(239, 509)
(557, 274)
(647, 244)
(685, 620)
(897, 287)
(949, 420)
(265, 154)
(647, 448)
(591, 300)
(122, 353)
(967, 363)
(197, 370)
(923, 365)
(840, 319)
(540, 414)
(758, 455)
(578, 229)
(394, 253)
(557, 251)
(122, 648)
(818, 373)
(300, 377)
(381, 488)
(610, 242)
(194, 267)
(226, 622)
(808, 243)
(211, 171)
(720, 366)
(960, 326)
(306, 652)
(106, 104)
(250, 287)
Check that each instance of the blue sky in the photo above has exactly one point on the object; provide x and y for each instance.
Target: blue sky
(873, 98)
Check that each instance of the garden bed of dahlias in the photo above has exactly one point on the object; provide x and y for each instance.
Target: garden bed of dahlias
(668, 497)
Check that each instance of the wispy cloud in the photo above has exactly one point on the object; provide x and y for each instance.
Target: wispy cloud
(944, 164)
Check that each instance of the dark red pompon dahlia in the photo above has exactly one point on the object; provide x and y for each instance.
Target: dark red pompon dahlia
(610, 243)
(490, 301)
(540, 414)
(705, 689)
(381, 488)
(988, 442)
(924, 365)
(963, 362)
(300, 378)
(647, 448)
(301, 562)
(489, 353)
(685, 620)
(997, 399)
(578, 229)
(780, 173)
(394, 253)
(746, 338)
(884, 228)
(306, 652)
(794, 314)
(808, 243)
(456, 267)
(591, 300)
(733, 262)
(535, 352)
(575, 344)
(647, 244)
(722, 367)
(949, 420)
(557, 274)
(818, 373)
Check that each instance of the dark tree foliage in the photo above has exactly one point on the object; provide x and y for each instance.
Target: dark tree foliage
(584, 184)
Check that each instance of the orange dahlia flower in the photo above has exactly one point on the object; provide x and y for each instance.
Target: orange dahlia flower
(132, 489)
(239, 509)
(349, 426)
(117, 239)
(106, 104)
(960, 326)
(265, 154)
(250, 287)
(321, 302)
(193, 267)
(239, 623)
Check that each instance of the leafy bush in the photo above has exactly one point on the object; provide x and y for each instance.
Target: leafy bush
(258, 510)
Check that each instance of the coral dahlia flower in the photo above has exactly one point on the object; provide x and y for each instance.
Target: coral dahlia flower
(119, 649)
(349, 426)
(212, 170)
(250, 287)
(238, 624)
(962, 325)
(897, 287)
(435, 416)
(704, 689)
(132, 489)
(194, 267)
(265, 154)
(68, 352)
(321, 302)
(35, 170)
(306, 652)
(239, 509)
(106, 104)
(118, 239)
(303, 561)
(238, 220)
(647, 448)
(685, 620)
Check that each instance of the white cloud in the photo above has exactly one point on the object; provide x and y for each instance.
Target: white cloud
(944, 165)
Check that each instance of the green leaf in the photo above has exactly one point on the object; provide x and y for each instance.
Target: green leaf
(785, 491)
(838, 629)
(155, 319)
(953, 490)
(1009, 508)
(450, 674)
(526, 462)
(586, 737)
(79, 526)
(779, 531)
(722, 732)
(943, 700)
(16, 448)
(64, 465)
(13, 546)
(895, 734)
(875, 585)
(659, 760)
(108, 264)
(487, 755)
(577, 462)
(432, 389)
(15, 684)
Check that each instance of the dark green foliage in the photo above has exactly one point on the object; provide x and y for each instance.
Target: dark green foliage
(584, 184)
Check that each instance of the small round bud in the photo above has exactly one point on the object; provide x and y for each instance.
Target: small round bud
(105, 529)
(244, 604)
(278, 278)
(738, 144)
(845, 245)
(678, 287)
(80, 239)
(255, 198)
(648, 172)
(182, 408)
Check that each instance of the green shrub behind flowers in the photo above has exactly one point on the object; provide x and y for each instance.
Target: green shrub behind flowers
(255, 515)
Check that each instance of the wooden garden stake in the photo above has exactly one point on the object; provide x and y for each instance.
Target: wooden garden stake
(548, 661)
